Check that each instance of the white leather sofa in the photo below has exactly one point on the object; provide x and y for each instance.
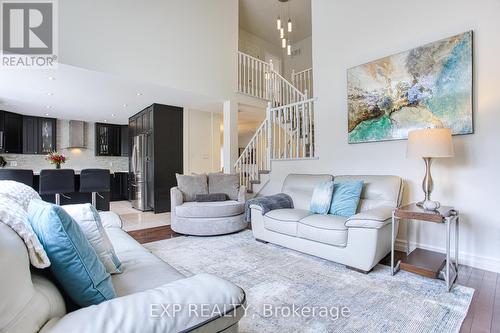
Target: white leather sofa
(359, 242)
(146, 289)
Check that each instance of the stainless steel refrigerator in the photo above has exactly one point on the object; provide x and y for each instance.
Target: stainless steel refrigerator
(141, 174)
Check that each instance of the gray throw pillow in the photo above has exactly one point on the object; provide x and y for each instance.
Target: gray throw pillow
(224, 183)
(190, 186)
(211, 197)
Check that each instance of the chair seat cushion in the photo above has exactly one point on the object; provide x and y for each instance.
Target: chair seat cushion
(328, 229)
(210, 209)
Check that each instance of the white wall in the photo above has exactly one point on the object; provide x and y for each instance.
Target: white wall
(78, 159)
(303, 60)
(202, 141)
(349, 33)
(189, 45)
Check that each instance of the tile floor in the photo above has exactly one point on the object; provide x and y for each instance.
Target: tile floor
(136, 220)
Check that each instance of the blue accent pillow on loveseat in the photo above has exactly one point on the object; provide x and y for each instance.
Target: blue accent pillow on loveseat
(74, 262)
(345, 198)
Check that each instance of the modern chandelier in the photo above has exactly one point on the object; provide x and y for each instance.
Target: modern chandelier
(285, 36)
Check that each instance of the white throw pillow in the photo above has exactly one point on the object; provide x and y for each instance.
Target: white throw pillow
(89, 221)
(13, 215)
(19, 192)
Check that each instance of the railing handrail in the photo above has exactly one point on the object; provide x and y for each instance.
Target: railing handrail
(249, 142)
(289, 84)
(254, 58)
(312, 99)
(301, 72)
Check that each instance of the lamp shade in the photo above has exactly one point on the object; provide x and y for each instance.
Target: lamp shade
(430, 142)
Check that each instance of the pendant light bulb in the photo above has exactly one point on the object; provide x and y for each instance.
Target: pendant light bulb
(282, 33)
(278, 23)
(289, 25)
(289, 49)
(283, 43)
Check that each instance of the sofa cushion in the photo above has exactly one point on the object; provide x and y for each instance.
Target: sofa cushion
(328, 229)
(288, 214)
(300, 187)
(137, 264)
(284, 220)
(19, 192)
(74, 262)
(228, 184)
(90, 222)
(210, 209)
(345, 198)
(321, 198)
(192, 185)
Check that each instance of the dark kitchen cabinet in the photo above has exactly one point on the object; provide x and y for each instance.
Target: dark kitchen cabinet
(39, 135)
(162, 126)
(11, 133)
(124, 140)
(107, 140)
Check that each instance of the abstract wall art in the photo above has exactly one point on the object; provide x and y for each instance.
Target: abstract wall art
(429, 86)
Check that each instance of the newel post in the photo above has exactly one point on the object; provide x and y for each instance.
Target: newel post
(270, 147)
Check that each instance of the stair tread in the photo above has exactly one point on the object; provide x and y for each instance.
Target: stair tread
(255, 181)
(264, 171)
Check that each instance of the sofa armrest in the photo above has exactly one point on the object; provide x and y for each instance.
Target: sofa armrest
(176, 198)
(374, 218)
(242, 194)
(178, 306)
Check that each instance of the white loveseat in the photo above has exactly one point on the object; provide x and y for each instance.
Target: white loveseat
(360, 241)
(146, 291)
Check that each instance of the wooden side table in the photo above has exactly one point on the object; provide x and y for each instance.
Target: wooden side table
(424, 262)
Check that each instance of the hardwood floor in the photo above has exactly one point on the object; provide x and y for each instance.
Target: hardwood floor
(484, 311)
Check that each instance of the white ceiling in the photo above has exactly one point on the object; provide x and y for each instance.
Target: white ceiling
(259, 18)
(81, 94)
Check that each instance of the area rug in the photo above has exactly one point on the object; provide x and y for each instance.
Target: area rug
(281, 283)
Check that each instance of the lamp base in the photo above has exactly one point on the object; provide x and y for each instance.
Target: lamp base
(429, 204)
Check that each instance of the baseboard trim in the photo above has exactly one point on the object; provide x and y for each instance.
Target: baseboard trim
(468, 259)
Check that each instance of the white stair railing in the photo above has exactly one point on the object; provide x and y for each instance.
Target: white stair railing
(253, 76)
(303, 81)
(255, 156)
(288, 130)
(291, 128)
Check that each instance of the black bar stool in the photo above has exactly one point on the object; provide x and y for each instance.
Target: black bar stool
(57, 182)
(95, 181)
(18, 175)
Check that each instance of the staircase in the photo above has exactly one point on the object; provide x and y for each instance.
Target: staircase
(287, 133)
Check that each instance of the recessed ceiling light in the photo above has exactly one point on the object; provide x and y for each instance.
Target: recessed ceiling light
(50, 94)
(46, 114)
(139, 94)
(105, 121)
(49, 107)
(125, 105)
(112, 115)
(51, 78)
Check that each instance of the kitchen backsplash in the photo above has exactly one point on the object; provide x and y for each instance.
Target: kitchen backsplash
(77, 158)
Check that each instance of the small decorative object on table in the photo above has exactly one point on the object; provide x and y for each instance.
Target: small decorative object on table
(424, 262)
(56, 158)
(429, 143)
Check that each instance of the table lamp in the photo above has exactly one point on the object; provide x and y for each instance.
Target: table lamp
(429, 143)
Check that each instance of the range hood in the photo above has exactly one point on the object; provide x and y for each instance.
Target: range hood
(76, 134)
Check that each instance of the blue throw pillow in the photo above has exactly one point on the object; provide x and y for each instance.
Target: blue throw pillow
(321, 198)
(75, 263)
(345, 198)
